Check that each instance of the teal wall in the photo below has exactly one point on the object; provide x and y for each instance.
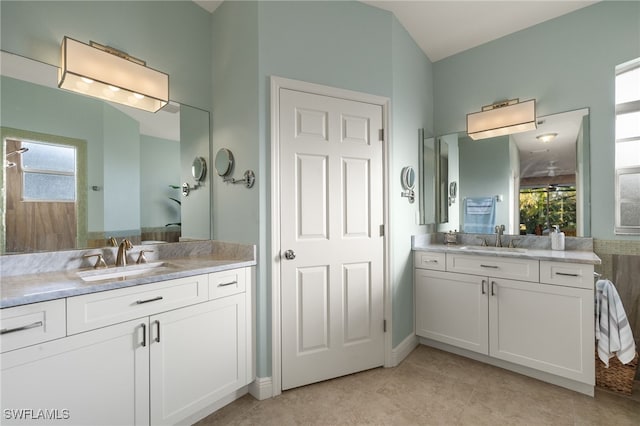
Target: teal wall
(171, 36)
(567, 63)
(159, 168)
(341, 44)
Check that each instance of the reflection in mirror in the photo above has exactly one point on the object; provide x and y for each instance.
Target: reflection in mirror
(199, 169)
(527, 181)
(127, 165)
(427, 177)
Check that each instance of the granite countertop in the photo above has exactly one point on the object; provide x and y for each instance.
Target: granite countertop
(22, 289)
(535, 250)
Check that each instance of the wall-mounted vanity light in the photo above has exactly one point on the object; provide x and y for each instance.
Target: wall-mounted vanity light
(198, 171)
(110, 74)
(8, 164)
(502, 118)
(224, 167)
(408, 180)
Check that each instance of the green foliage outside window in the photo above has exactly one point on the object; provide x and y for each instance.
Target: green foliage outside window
(548, 206)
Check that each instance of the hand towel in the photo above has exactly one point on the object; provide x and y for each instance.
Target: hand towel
(479, 215)
(613, 332)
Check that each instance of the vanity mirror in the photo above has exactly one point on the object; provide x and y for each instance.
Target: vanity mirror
(126, 169)
(527, 181)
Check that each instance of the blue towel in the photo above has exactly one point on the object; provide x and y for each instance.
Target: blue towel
(479, 215)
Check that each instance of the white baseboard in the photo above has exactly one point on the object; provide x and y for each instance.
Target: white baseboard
(261, 388)
(400, 352)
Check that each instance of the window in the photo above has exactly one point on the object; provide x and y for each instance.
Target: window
(627, 160)
(49, 172)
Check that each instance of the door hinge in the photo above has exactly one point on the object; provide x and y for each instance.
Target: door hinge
(381, 135)
(384, 326)
(382, 230)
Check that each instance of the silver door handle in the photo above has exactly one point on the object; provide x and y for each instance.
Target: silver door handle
(289, 254)
(23, 327)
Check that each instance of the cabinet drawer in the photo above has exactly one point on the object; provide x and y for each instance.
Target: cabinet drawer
(499, 267)
(567, 274)
(31, 324)
(430, 260)
(95, 310)
(226, 283)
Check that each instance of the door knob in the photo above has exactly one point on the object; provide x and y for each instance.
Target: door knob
(289, 255)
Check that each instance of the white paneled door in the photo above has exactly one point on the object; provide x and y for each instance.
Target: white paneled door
(332, 251)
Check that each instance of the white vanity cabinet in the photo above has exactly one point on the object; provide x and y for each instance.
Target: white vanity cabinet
(162, 361)
(530, 313)
(100, 378)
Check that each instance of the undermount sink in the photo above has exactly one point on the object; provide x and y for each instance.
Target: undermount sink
(494, 249)
(122, 273)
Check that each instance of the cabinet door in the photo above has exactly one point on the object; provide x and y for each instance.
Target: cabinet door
(546, 327)
(95, 378)
(198, 355)
(453, 309)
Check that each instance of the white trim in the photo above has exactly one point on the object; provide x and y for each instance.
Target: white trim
(573, 385)
(278, 83)
(400, 352)
(261, 388)
(212, 408)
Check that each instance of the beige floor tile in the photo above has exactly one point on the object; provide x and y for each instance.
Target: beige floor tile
(432, 387)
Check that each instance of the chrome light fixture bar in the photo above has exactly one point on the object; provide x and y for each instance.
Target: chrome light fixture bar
(109, 74)
(502, 118)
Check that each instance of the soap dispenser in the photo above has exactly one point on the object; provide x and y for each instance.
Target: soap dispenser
(557, 239)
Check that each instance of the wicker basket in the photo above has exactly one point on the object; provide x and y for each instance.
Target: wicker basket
(618, 377)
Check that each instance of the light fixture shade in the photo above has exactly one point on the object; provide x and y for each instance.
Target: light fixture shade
(95, 72)
(501, 119)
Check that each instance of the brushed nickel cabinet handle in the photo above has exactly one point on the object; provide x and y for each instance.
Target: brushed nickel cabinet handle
(493, 292)
(483, 283)
(489, 266)
(226, 284)
(144, 334)
(157, 323)
(567, 275)
(21, 328)
(155, 299)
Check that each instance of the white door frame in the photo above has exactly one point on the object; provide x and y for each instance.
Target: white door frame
(278, 83)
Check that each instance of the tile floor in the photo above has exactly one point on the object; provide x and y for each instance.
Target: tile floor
(432, 387)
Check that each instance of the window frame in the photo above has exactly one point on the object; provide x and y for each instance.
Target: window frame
(624, 108)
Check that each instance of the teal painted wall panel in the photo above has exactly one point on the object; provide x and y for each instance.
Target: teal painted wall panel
(411, 109)
(565, 64)
(171, 36)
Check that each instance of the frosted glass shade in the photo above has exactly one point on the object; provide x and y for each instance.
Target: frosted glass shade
(515, 118)
(91, 71)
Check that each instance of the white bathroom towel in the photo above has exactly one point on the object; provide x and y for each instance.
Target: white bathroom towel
(613, 331)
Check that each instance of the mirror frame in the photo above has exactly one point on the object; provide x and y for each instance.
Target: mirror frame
(199, 169)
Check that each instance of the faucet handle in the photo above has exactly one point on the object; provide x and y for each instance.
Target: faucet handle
(113, 242)
(100, 263)
(141, 258)
(483, 241)
(514, 242)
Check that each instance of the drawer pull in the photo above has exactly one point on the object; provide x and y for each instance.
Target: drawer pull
(226, 284)
(24, 327)
(493, 291)
(489, 266)
(144, 334)
(158, 330)
(567, 275)
(430, 261)
(155, 299)
(483, 283)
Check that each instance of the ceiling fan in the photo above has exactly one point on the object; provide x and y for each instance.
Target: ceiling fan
(552, 170)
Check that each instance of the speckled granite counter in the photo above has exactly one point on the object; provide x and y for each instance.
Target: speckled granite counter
(579, 250)
(38, 277)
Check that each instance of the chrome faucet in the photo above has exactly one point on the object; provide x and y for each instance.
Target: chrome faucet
(121, 259)
(499, 232)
